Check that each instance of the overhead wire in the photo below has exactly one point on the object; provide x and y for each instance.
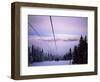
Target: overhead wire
(38, 33)
(53, 33)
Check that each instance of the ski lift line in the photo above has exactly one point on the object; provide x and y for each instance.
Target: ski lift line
(34, 30)
(53, 33)
(37, 33)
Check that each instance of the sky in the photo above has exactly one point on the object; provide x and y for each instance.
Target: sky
(67, 32)
(61, 25)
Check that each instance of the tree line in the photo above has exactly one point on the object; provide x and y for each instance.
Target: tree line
(80, 53)
(78, 56)
(35, 54)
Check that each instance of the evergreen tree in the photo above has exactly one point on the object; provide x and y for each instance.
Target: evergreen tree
(85, 51)
(65, 57)
(80, 52)
(70, 54)
(75, 55)
(29, 56)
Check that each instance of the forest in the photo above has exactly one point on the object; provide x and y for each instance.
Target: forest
(79, 54)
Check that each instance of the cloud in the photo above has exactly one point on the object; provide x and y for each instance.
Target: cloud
(58, 37)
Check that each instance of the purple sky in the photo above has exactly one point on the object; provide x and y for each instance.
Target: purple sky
(61, 24)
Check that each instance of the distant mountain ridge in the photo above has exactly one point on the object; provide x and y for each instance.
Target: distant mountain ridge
(58, 37)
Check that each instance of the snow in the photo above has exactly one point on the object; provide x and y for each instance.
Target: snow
(50, 63)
